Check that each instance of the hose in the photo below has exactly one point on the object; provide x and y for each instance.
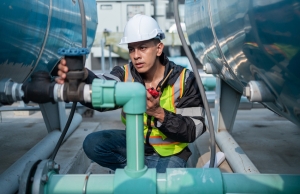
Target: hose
(200, 85)
(84, 44)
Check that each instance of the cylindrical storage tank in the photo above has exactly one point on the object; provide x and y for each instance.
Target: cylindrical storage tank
(251, 40)
(32, 32)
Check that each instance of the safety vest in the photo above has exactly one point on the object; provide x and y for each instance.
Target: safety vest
(163, 145)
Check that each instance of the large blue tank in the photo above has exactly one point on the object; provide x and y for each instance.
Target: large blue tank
(251, 40)
(33, 30)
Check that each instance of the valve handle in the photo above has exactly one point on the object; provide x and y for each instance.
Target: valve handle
(74, 57)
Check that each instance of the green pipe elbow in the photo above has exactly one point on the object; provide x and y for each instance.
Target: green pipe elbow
(132, 96)
(109, 93)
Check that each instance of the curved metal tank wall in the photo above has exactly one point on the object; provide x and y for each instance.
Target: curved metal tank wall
(251, 40)
(32, 31)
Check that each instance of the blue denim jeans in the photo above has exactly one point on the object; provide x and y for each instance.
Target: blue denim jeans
(108, 149)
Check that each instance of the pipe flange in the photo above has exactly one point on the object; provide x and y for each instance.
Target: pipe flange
(73, 51)
(10, 92)
(41, 175)
(25, 180)
(257, 91)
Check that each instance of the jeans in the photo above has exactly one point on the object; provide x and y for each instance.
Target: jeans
(108, 149)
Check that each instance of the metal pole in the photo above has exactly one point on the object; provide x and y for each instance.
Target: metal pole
(154, 9)
(110, 58)
(102, 55)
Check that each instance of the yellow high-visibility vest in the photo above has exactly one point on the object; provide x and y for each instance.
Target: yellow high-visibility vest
(163, 145)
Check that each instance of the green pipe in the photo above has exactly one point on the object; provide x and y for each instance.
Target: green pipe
(161, 183)
(174, 181)
(135, 145)
(73, 183)
(136, 178)
(261, 183)
(132, 96)
(145, 184)
(190, 180)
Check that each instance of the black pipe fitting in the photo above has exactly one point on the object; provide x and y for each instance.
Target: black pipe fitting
(74, 85)
(7, 96)
(39, 89)
(73, 88)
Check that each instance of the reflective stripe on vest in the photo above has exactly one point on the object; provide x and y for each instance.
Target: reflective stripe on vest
(128, 77)
(164, 146)
(156, 140)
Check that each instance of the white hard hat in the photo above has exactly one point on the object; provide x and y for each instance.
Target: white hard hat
(140, 28)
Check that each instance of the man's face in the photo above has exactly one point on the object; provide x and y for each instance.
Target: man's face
(143, 54)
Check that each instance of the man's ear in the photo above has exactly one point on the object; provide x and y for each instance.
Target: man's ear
(160, 48)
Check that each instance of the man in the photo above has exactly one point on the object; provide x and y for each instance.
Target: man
(172, 120)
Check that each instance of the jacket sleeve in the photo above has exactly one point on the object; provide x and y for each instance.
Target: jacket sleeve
(189, 121)
(117, 74)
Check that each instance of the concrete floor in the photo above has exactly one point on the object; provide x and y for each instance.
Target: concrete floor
(271, 142)
(19, 133)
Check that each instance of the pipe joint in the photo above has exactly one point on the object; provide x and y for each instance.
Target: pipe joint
(74, 86)
(209, 68)
(10, 92)
(39, 89)
(103, 93)
(124, 182)
(73, 92)
(132, 96)
(257, 91)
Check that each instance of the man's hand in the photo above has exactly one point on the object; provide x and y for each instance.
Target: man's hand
(62, 72)
(154, 108)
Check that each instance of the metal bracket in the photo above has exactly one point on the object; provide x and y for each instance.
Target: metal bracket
(54, 115)
(25, 180)
(226, 105)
